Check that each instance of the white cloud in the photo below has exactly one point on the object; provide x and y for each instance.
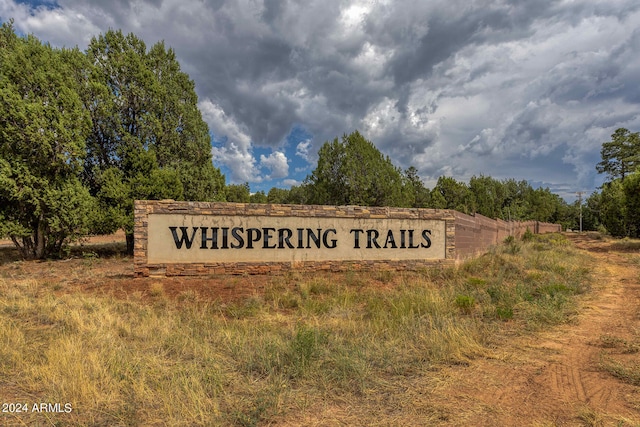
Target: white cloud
(60, 27)
(276, 163)
(222, 125)
(509, 89)
(236, 153)
(240, 162)
(303, 148)
(291, 182)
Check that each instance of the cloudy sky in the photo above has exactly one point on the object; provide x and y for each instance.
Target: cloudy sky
(525, 89)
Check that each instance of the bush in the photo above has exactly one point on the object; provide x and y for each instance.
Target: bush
(528, 236)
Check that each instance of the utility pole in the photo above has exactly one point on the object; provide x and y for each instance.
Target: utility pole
(580, 193)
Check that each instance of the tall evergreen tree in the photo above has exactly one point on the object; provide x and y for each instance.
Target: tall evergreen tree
(618, 201)
(278, 195)
(621, 155)
(515, 206)
(631, 187)
(354, 172)
(456, 195)
(43, 129)
(418, 195)
(240, 193)
(613, 208)
(489, 195)
(148, 139)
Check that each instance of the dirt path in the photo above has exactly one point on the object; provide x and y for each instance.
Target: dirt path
(556, 377)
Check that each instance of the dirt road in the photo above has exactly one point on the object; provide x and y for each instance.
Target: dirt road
(558, 377)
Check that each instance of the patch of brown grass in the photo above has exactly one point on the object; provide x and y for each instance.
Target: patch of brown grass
(298, 348)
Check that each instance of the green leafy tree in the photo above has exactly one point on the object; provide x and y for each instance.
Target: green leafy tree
(591, 212)
(43, 128)
(147, 138)
(543, 205)
(278, 195)
(354, 172)
(258, 197)
(489, 195)
(437, 199)
(418, 196)
(515, 206)
(631, 187)
(621, 155)
(568, 215)
(297, 195)
(327, 184)
(517, 200)
(239, 193)
(619, 200)
(613, 208)
(456, 195)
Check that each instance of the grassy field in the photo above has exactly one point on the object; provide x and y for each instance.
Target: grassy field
(306, 349)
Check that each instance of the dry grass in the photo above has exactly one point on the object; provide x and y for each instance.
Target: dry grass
(307, 349)
(626, 244)
(619, 358)
(627, 372)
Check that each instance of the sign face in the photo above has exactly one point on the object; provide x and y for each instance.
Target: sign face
(190, 238)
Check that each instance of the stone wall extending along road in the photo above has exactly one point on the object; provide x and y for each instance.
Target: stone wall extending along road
(201, 238)
(474, 234)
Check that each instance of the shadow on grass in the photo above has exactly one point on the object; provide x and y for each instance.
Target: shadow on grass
(9, 253)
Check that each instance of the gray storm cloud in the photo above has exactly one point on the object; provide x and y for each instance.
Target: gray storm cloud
(502, 88)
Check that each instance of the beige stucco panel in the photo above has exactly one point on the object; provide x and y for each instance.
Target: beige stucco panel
(161, 247)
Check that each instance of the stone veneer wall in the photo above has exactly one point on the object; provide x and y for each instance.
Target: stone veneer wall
(146, 207)
(477, 233)
(466, 235)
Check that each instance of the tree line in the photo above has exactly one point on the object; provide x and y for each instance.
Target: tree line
(84, 134)
(616, 207)
(352, 171)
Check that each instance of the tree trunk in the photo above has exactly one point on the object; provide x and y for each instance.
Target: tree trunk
(24, 253)
(40, 239)
(129, 237)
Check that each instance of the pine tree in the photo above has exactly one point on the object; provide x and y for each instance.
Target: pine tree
(43, 129)
(621, 155)
(148, 139)
(354, 172)
(418, 195)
